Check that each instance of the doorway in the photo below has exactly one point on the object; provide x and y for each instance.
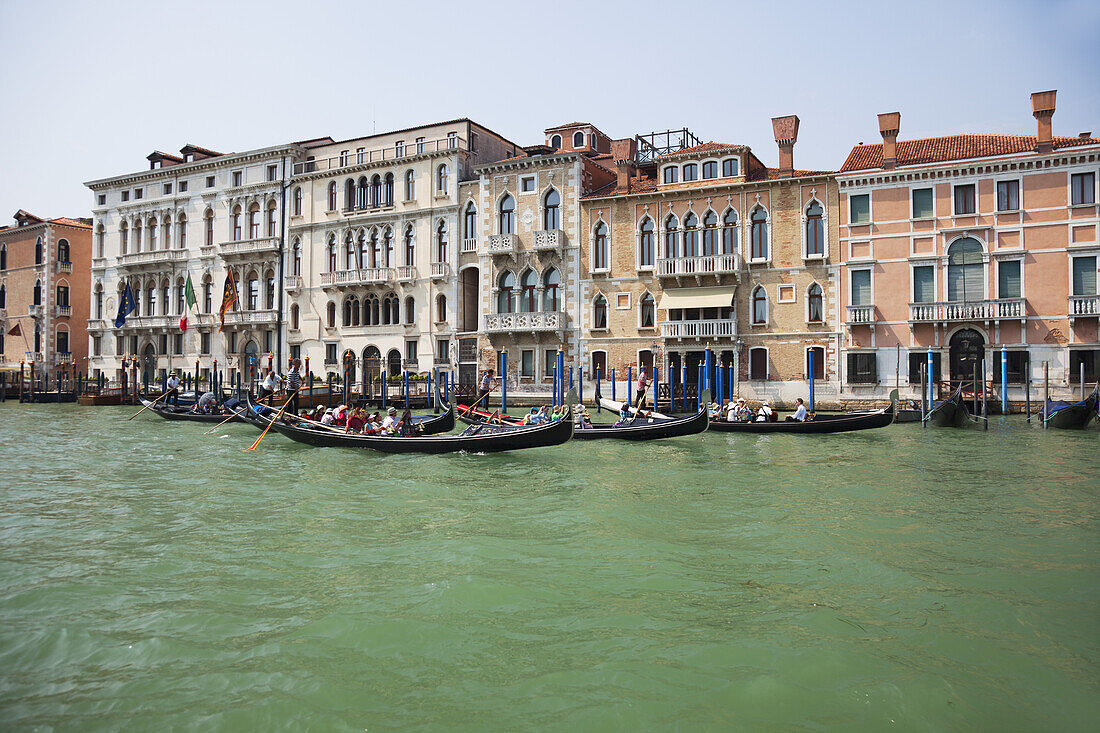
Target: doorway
(967, 349)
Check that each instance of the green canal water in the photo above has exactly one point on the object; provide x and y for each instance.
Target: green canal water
(908, 579)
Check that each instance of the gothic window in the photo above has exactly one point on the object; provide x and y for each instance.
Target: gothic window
(551, 217)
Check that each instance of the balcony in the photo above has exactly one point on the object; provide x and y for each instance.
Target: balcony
(293, 283)
(35, 311)
(501, 244)
(410, 364)
(156, 258)
(540, 321)
(439, 270)
(97, 324)
(249, 247)
(711, 329)
(245, 318)
(469, 245)
(362, 276)
(63, 357)
(99, 263)
(549, 240)
(726, 264)
(380, 155)
(64, 267)
(1084, 306)
(974, 310)
(63, 311)
(860, 315)
(405, 273)
(33, 356)
(133, 321)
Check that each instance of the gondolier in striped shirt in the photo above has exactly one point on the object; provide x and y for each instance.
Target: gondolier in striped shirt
(293, 383)
(643, 386)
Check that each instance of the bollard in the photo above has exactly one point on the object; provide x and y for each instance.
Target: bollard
(708, 383)
(923, 396)
(930, 370)
(699, 388)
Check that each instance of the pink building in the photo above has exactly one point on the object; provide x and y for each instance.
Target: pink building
(965, 245)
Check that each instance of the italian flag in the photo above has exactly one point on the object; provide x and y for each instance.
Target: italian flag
(191, 302)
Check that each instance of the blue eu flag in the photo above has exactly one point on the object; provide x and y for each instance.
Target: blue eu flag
(125, 307)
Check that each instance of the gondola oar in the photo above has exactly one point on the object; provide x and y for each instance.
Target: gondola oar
(146, 407)
(223, 422)
(277, 416)
(479, 399)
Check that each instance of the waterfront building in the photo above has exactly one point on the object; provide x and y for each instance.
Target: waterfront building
(200, 214)
(44, 291)
(698, 245)
(377, 245)
(965, 244)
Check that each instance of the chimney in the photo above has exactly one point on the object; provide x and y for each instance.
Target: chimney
(888, 125)
(786, 135)
(1042, 106)
(625, 154)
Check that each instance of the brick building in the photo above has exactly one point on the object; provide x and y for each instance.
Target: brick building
(44, 288)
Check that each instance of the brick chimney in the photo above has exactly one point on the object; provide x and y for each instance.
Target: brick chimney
(1042, 106)
(625, 154)
(888, 125)
(786, 135)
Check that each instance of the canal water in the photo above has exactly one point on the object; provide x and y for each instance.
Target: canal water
(909, 579)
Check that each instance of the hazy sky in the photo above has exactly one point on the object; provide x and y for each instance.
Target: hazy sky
(90, 88)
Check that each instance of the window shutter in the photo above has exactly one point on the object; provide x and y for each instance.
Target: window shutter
(1008, 276)
(924, 284)
(861, 287)
(965, 271)
(1084, 276)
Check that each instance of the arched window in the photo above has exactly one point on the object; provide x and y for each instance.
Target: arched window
(294, 317)
(410, 185)
(441, 308)
(672, 237)
(38, 251)
(528, 301)
(441, 179)
(181, 295)
(100, 243)
(729, 167)
(506, 293)
(349, 252)
(441, 242)
(362, 193)
(551, 290)
(578, 139)
(236, 219)
(181, 231)
(671, 174)
(208, 228)
(599, 312)
(710, 169)
(729, 232)
(4, 255)
(387, 190)
(332, 195)
(599, 247)
(410, 246)
(253, 291)
(710, 233)
(469, 222)
(137, 235)
(37, 292)
(410, 310)
(815, 304)
(3, 296)
(332, 253)
(648, 314)
(254, 221)
(207, 294)
(370, 311)
(374, 248)
(63, 250)
(691, 235)
(98, 301)
(137, 299)
(393, 362)
(376, 191)
(331, 314)
(759, 305)
(555, 142)
(123, 238)
(349, 194)
(691, 172)
(551, 214)
(387, 247)
(759, 221)
(645, 243)
(965, 270)
(348, 307)
(167, 232)
(269, 221)
(507, 214)
(151, 299)
(152, 229)
(296, 257)
(296, 209)
(815, 230)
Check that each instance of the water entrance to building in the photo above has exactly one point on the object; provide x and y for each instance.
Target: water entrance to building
(967, 349)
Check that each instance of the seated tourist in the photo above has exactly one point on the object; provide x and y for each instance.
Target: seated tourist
(765, 413)
(800, 414)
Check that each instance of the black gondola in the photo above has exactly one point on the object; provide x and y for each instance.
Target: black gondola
(950, 413)
(170, 412)
(444, 422)
(841, 423)
(1073, 415)
(646, 429)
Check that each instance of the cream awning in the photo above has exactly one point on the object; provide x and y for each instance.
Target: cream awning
(697, 298)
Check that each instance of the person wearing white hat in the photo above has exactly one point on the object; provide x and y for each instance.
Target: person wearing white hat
(390, 421)
(327, 418)
(172, 389)
(765, 413)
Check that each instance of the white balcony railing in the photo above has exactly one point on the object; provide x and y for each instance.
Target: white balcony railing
(974, 310)
(133, 321)
(538, 321)
(64, 311)
(549, 239)
(1084, 305)
(249, 246)
(35, 311)
(405, 273)
(362, 276)
(379, 155)
(500, 244)
(702, 265)
(469, 245)
(33, 356)
(439, 270)
(237, 318)
(63, 357)
(156, 257)
(861, 314)
(718, 328)
(293, 282)
(97, 324)
(65, 267)
(99, 263)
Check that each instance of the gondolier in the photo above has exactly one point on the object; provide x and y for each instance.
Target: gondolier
(293, 383)
(173, 390)
(643, 386)
(486, 385)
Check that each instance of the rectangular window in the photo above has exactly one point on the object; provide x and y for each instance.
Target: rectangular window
(343, 158)
(1084, 276)
(861, 287)
(549, 360)
(296, 351)
(210, 181)
(330, 353)
(924, 284)
(204, 343)
(419, 145)
(1008, 279)
(125, 195)
(527, 184)
(410, 351)
(273, 173)
(442, 347)
(861, 369)
(922, 203)
(916, 358)
(964, 199)
(729, 167)
(1090, 358)
(96, 345)
(758, 363)
(163, 345)
(101, 199)
(1083, 188)
(183, 186)
(177, 347)
(167, 189)
(138, 193)
(860, 208)
(527, 363)
(671, 174)
(238, 178)
(399, 149)
(267, 341)
(1008, 195)
(360, 156)
(1019, 362)
(452, 139)
(710, 169)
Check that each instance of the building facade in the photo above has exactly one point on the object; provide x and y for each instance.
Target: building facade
(201, 215)
(44, 279)
(964, 245)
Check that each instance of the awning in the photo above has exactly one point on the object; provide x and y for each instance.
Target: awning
(697, 298)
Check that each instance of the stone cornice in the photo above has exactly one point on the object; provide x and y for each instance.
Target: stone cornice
(392, 163)
(175, 171)
(527, 162)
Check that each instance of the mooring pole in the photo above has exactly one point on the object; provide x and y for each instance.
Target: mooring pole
(1027, 387)
(597, 388)
(1046, 391)
(1004, 381)
(629, 382)
(976, 388)
(1082, 379)
(613, 385)
(561, 378)
(383, 375)
(923, 396)
(810, 366)
(931, 399)
(985, 401)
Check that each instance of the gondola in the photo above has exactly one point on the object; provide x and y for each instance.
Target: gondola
(474, 416)
(170, 412)
(820, 423)
(647, 428)
(950, 413)
(426, 424)
(1073, 415)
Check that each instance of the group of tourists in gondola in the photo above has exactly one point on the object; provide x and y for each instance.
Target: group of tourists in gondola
(739, 412)
(358, 421)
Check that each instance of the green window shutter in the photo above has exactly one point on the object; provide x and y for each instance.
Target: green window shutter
(1084, 276)
(965, 271)
(924, 284)
(1008, 279)
(922, 203)
(861, 287)
(861, 208)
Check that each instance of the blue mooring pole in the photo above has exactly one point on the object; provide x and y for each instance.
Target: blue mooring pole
(629, 382)
(503, 381)
(580, 384)
(383, 375)
(561, 378)
(613, 384)
(597, 388)
(810, 366)
(656, 381)
(406, 389)
(930, 381)
(1004, 381)
(684, 384)
(720, 385)
(554, 387)
(709, 356)
(699, 388)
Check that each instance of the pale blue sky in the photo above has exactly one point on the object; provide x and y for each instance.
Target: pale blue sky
(90, 88)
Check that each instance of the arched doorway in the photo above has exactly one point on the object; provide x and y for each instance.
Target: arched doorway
(148, 363)
(468, 299)
(967, 348)
(372, 362)
(251, 361)
(393, 362)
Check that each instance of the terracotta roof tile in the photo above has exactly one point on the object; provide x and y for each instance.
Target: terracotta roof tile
(71, 222)
(637, 184)
(701, 148)
(772, 174)
(951, 147)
